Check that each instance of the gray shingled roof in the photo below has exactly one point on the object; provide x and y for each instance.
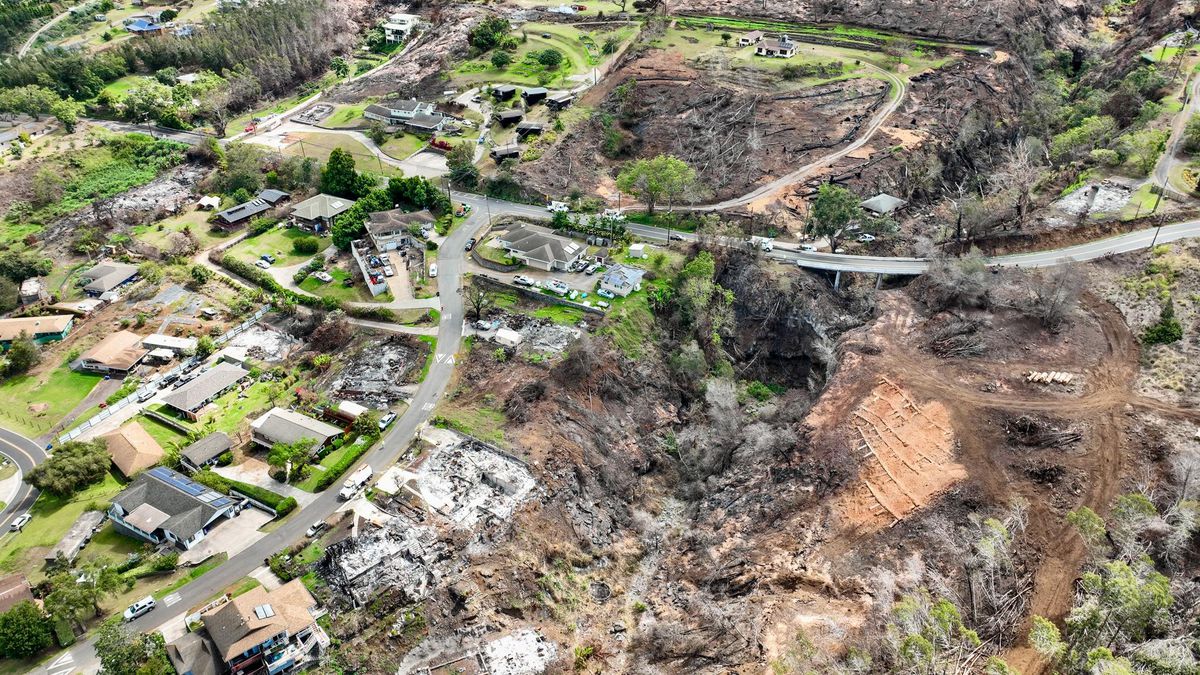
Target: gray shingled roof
(540, 244)
(207, 448)
(187, 514)
(193, 395)
(281, 425)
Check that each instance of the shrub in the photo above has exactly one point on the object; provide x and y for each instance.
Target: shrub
(272, 500)
(1166, 330)
(431, 245)
(73, 466)
(165, 562)
(225, 458)
(334, 472)
(285, 507)
(306, 245)
(261, 225)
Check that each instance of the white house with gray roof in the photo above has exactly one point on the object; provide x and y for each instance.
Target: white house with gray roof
(280, 425)
(165, 506)
(539, 247)
(193, 396)
(397, 111)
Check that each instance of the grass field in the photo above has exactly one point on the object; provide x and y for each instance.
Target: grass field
(60, 390)
(346, 116)
(401, 146)
(318, 146)
(191, 575)
(232, 411)
(163, 434)
(52, 517)
(335, 289)
(194, 221)
(581, 50)
(277, 242)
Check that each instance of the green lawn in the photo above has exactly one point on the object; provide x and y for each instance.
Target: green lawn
(108, 543)
(163, 434)
(277, 242)
(59, 391)
(482, 422)
(318, 146)
(581, 49)
(346, 116)
(337, 290)
(309, 484)
(630, 324)
(121, 86)
(194, 222)
(402, 145)
(191, 575)
(232, 411)
(52, 518)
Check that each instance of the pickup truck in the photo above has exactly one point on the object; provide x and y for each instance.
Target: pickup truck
(354, 483)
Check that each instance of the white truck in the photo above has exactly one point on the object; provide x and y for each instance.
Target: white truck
(355, 483)
(762, 243)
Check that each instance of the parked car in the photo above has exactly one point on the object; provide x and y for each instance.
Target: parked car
(433, 270)
(323, 277)
(487, 325)
(592, 269)
(316, 528)
(140, 608)
(476, 99)
(386, 420)
(676, 237)
(602, 304)
(462, 210)
(605, 293)
(470, 244)
(808, 248)
(145, 396)
(522, 280)
(556, 207)
(268, 257)
(866, 238)
(263, 264)
(558, 287)
(20, 522)
(388, 271)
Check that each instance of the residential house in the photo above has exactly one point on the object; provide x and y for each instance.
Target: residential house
(177, 345)
(32, 290)
(14, 589)
(117, 353)
(540, 248)
(143, 27)
(503, 152)
(274, 197)
(560, 100)
(280, 425)
(41, 329)
(883, 204)
(503, 92)
(509, 117)
(622, 280)
(780, 48)
(242, 212)
(751, 38)
(527, 128)
(133, 449)
(397, 111)
(317, 213)
(398, 26)
(427, 124)
(195, 654)
(193, 396)
(534, 94)
(205, 452)
(107, 276)
(165, 506)
(265, 632)
(389, 230)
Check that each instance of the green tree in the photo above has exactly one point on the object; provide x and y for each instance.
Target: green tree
(339, 66)
(652, 180)
(550, 58)
(461, 162)
(488, 34)
(205, 346)
(73, 466)
(200, 275)
(1142, 148)
(306, 245)
(77, 592)
(1166, 330)
(21, 266)
(725, 38)
(31, 99)
(22, 355)
(24, 631)
(834, 208)
(151, 271)
(9, 292)
(1191, 135)
(1090, 527)
(338, 176)
(67, 113)
(367, 424)
(501, 60)
(289, 456)
(123, 652)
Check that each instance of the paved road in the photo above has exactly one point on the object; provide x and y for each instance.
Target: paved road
(26, 454)
(37, 33)
(1174, 155)
(82, 657)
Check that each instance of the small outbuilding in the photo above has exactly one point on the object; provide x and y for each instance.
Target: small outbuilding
(507, 337)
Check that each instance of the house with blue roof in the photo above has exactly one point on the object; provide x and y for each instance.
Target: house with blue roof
(143, 27)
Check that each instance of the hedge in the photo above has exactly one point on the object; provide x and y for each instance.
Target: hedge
(281, 505)
(268, 283)
(335, 470)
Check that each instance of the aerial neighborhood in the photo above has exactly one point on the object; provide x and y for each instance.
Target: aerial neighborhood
(617, 337)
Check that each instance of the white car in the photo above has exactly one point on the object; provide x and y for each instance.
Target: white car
(386, 420)
(559, 287)
(808, 248)
(605, 293)
(262, 264)
(556, 207)
(866, 238)
(20, 522)
(140, 608)
(323, 277)
(433, 270)
(388, 271)
(316, 529)
(522, 280)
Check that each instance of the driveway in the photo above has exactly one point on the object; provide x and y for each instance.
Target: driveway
(255, 472)
(399, 283)
(231, 537)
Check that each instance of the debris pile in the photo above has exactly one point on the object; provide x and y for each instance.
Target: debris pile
(399, 556)
(542, 335)
(1049, 377)
(469, 481)
(376, 375)
(264, 343)
(522, 652)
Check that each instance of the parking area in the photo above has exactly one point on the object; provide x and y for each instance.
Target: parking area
(428, 164)
(232, 536)
(399, 283)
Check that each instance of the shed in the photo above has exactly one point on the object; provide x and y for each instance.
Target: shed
(637, 251)
(80, 533)
(503, 91)
(500, 152)
(508, 337)
(534, 94)
(526, 128)
(507, 117)
(350, 409)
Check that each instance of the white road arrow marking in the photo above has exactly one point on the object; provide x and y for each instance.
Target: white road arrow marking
(172, 599)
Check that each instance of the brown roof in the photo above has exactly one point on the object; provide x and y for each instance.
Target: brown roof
(133, 449)
(14, 589)
(11, 329)
(118, 351)
(236, 626)
(383, 222)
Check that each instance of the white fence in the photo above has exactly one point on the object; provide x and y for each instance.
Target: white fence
(153, 386)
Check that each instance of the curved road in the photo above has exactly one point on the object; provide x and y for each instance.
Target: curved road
(37, 33)
(26, 454)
